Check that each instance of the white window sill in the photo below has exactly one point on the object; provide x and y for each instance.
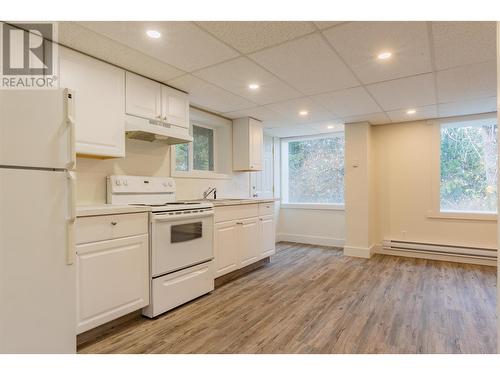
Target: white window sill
(462, 215)
(314, 206)
(199, 174)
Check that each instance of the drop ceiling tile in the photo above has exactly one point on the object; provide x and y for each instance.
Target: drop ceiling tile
(405, 93)
(73, 35)
(293, 131)
(359, 43)
(208, 96)
(461, 43)
(468, 107)
(236, 75)
(327, 24)
(182, 44)
(308, 64)
(373, 118)
(291, 108)
(467, 82)
(426, 112)
(268, 117)
(349, 102)
(327, 126)
(251, 36)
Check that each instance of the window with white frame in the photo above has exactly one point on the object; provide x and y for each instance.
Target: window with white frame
(312, 170)
(199, 154)
(468, 166)
(210, 153)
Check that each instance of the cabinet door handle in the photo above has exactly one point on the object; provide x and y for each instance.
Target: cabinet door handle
(239, 223)
(114, 223)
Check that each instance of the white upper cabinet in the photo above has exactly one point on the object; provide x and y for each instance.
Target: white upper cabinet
(152, 100)
(175, 107)
(99, 90)
(247, 144)
(143, 97)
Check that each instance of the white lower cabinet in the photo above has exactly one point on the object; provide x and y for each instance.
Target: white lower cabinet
(225, 250)
(112, 274)
(249, 250)
(267, 236)
(242, 237)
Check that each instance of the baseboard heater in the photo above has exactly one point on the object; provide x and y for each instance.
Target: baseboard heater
(443, 250)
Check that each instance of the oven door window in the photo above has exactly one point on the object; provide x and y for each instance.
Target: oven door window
(186, 232)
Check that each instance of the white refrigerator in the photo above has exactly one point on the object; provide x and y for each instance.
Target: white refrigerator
(37, 218)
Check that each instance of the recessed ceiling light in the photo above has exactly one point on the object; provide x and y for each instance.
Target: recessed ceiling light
(330, 126)
(411, 111)
(253, 86)
(303, 113)
(384, 55)
(153, 34)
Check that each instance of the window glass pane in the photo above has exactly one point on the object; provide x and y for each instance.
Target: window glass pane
(469, 166)
(182, 157)
(203, 149)
(316, 170)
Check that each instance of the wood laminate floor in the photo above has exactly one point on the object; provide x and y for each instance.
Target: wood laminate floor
(312, 299)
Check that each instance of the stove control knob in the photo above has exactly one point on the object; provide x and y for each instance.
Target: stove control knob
(164, 184)
(118, 183)
(170, 184)
(125, 182)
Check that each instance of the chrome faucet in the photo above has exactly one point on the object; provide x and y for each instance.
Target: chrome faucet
(209, 191)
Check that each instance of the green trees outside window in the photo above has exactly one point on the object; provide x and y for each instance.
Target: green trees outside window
(469, 166)
(316, 170)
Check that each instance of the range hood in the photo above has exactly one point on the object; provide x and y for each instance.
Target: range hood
(152, 130)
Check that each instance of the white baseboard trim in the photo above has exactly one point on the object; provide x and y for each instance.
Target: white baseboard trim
(359, 252)
(441, 257)
(311, 240)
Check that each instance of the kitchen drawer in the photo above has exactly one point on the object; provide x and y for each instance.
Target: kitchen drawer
(179, 287)
(242, 211)
(107, 227)
(266, 208)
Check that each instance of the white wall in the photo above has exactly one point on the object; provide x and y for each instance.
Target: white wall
(359, 190)
(152, 159)
(318, 227)
(498, 224)
(403, 191)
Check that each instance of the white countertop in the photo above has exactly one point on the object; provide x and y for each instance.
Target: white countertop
(108, 209)
(234, 202)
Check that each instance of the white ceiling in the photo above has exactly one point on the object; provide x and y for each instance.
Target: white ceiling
(329, 69)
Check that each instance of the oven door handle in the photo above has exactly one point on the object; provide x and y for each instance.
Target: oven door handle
(174, 217)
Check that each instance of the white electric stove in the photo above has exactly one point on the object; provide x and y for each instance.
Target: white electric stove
(181, 239)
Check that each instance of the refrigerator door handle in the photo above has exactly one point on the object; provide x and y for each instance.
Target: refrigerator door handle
(70, 248)
(72, 150)
(72, 195)
(71, 124)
